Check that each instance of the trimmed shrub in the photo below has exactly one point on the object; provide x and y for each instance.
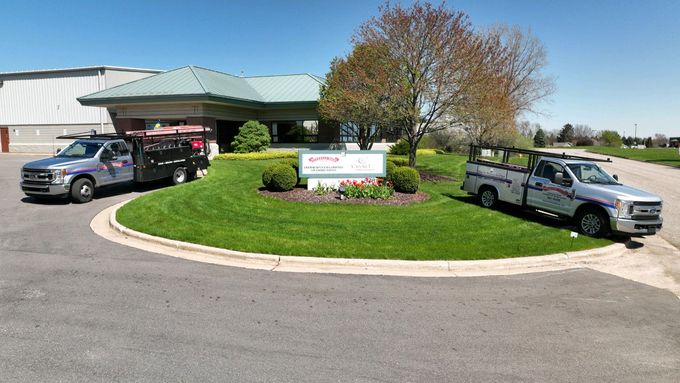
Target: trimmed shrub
(390, 167)
(279, 177)
(255, 156)
(293, 163)
(426, 152)
(406, 179)
(399, 161)
(251, 137)
(400, 148)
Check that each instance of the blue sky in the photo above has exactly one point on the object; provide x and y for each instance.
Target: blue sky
(617, 63)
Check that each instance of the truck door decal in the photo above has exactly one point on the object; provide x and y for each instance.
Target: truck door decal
(80, 171)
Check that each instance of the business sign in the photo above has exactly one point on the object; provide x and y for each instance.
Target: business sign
(341, 164)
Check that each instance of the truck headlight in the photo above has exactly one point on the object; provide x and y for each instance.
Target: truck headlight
(58, 176)
(624, 208)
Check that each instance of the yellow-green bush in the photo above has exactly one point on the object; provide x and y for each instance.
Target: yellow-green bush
(426, 152)
(255, 156)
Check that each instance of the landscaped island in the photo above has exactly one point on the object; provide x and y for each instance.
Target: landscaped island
(226, 209)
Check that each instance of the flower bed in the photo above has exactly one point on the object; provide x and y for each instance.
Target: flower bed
(301, 194)
(374, 188)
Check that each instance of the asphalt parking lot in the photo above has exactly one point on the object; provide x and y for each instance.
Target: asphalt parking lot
(75, 307)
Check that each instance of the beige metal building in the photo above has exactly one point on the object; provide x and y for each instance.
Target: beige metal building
(36, 106)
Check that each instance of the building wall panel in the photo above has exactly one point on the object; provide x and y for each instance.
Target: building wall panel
(48, 98)
(42, 138)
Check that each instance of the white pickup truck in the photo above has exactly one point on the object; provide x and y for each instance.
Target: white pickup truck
(564, 185)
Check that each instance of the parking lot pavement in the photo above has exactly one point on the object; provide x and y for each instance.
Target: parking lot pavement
(75, 307)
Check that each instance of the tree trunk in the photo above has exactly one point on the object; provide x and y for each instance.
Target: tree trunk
(412, 148)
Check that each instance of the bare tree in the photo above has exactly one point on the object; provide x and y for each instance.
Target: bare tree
(442, 60)
(583, 131)
(524, 59)
(660, 140)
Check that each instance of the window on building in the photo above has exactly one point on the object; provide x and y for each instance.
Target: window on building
(295, 132)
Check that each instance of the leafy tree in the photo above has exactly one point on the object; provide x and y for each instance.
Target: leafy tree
(359, 93)
(566, 134)
(441, 62)
(539, 138)
(252, 137)
(648, 142)
(611, 138)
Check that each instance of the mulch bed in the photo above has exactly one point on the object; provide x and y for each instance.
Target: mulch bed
(301, 194)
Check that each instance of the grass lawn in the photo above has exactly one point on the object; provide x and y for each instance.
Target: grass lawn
(665, 156)
(225, 210)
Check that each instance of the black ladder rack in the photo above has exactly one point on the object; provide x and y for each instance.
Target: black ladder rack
(476, 150)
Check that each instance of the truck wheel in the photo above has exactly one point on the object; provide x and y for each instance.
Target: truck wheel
(179, 176)
(82, 191)
(592, 222)
(488, 197)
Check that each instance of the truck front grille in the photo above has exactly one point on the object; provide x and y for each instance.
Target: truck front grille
(37, 176)
(646, 211)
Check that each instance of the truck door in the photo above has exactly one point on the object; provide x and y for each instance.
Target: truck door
(116, 163)
(543, 193)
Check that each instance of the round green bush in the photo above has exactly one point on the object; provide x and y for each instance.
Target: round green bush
(390, 167)
(267, 175)
(279, 177)
(292, 162)
(406, 179)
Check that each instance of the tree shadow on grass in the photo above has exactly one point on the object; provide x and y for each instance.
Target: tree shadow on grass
(534, 216)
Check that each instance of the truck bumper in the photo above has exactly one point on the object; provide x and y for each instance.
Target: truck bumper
(631, 227)
(44, 189)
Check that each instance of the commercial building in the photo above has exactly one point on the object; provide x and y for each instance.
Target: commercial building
(36, 106)
(192, 95)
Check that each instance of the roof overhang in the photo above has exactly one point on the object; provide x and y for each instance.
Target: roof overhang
(161, 99)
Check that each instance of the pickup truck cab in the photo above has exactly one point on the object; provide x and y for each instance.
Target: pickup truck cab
(567, 186)
(97, 160)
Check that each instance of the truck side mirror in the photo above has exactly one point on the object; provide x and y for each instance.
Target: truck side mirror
(616, 177)
(559, 178)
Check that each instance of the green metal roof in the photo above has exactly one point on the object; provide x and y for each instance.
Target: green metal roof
(193, 83)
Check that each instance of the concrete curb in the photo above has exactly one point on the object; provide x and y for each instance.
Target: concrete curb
(105, 225)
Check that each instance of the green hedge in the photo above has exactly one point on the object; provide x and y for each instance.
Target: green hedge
(406, 179)
(255, 156)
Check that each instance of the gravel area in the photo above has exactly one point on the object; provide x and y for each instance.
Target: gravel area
(301, 194)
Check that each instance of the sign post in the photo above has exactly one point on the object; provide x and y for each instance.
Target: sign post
(330, 167)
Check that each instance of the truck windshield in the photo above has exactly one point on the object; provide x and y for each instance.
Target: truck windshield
(591, 174)
(80, 149)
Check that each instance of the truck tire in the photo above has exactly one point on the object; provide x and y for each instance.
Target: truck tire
(488, 197)
(179, 176)
(82, 190)
(592, 222)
